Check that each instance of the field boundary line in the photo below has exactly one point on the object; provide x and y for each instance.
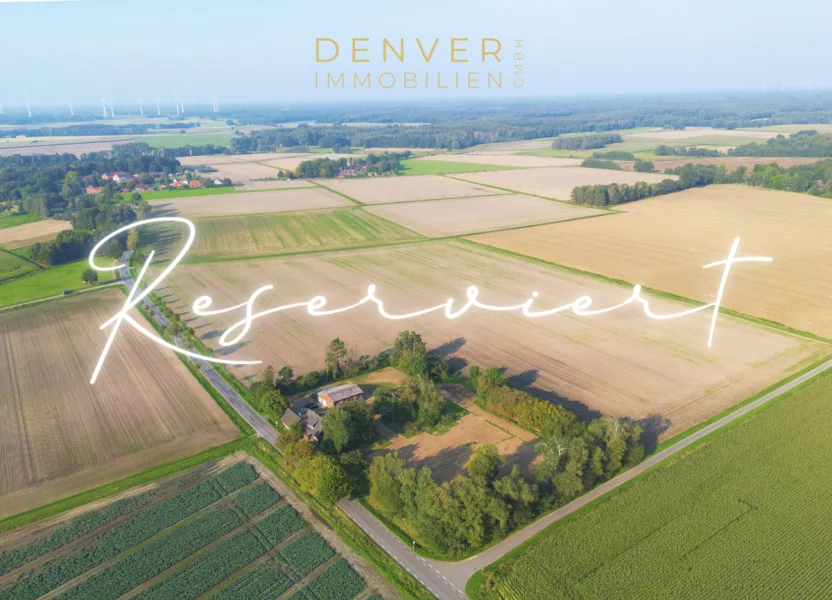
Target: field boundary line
(567, 202)
(351, 199)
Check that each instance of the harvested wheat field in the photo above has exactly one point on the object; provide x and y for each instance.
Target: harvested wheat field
(274, 184)
(689, 133)
(243, 172)
(663, 243)
(438, 218)
(379, 190)
(557, 182)
(60, 435)
(254, 235)
(248, 203)
(507, 160)
(29, 233)
(290, 162)
(618, 363)
(731, 163)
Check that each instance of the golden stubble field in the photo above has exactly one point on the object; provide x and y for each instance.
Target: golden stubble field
(275, 201)
(485, 157)
(557, 182)
(59, 435)
(379, 190)
(466, 215)
(618, 363)
(664, 242)
(29, 233)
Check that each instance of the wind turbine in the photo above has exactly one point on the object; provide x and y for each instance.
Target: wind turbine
(112, 112)
(182, 104)
(141, 107)
(158, 110)
(1, 107)
(29, 108)
(71, 112)
(104, 107)
(176, 99)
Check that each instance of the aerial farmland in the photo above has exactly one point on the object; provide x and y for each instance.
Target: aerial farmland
(130, 420)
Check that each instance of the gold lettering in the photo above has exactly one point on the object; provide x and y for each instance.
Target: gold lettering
(454, 49)
(427, 57)
(318, 49)
(495, 53)
(356, 50)
(400, 54)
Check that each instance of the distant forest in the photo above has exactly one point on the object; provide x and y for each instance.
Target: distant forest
(585, 142)
(802, 143)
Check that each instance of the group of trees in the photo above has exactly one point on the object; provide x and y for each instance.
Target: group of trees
(643, 166)
(322, 475)
(479, 507)
(598, 163)
(814, 178)
(373, 164)
(689, 176)
(585, 142)
(416, 405)
(266, 395)
(803, 143)
(97, 129)
(663, 150)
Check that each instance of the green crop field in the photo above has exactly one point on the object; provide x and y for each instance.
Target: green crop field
(178, 140)
(49, 282)
(163, 194)
(744, 514)
(273, 234)
(12, 266)
(419, 166)
(227, 535)
(14, 220)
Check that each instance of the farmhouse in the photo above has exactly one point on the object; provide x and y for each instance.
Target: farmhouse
(311, 422)
(333, 396)
(93, 190)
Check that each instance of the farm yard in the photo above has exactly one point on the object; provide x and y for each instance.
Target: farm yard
(248, 203)
(447, 453)
(663, 243)
(651, 369)
(29, 233)
(227, 530)
(257, 235)
(380, 190)
(556, 182)
(59, 434)
(739, 515)
(466, 215)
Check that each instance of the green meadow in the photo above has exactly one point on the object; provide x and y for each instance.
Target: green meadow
(14, 220)
(48, 282)
(418, 166)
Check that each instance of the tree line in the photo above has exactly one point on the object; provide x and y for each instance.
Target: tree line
(98, 129)
(689, 176)
(585, 142)
(664, 150)
(803, 143)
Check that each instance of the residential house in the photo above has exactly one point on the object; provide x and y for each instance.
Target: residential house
(218, 182)
(120, 176)
(92, 190)
(311, 422)
(143, 187)
(332, 396)
(195, 183)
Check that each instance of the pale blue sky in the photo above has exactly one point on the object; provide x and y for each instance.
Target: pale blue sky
(244, 50)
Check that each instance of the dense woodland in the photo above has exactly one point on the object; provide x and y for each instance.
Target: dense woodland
(585, 142)
(802, 143)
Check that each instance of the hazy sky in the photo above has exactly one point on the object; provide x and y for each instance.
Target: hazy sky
(244, 50)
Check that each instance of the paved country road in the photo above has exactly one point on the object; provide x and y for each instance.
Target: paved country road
(446, 580)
